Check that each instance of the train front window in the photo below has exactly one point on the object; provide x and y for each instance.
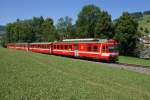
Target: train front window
(112, 48)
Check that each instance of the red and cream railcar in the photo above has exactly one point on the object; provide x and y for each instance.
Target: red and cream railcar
(41, 47)
(102, 49)
(11, 45)
(18, 46)
(21, 46)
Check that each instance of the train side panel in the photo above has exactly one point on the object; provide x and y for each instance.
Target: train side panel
(63, 49)
(41, 48)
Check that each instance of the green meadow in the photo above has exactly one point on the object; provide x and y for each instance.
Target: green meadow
(35, 76)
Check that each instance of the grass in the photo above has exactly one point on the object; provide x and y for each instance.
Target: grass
(133, 60)
(34, 76)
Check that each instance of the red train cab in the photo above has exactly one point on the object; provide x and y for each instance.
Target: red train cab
(102, 49)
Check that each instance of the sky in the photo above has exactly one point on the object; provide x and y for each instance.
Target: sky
(10, 10)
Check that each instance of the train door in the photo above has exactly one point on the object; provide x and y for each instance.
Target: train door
(103, 48)
(76, 50)
(50, 48)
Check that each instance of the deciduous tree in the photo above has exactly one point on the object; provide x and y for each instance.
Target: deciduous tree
(87, 19)
(126, 33)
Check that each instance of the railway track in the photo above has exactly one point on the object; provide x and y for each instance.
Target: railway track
(134, 65)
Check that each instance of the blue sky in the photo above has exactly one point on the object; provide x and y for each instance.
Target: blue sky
(10, 10)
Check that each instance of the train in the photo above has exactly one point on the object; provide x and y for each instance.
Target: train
(101, 49)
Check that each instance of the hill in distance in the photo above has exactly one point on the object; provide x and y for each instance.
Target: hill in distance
(143, 19)
(144, 24)
(2, 29)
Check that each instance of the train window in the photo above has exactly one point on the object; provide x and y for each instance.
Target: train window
(57, 46)
(54, 46)
(66, 47)
(61, 46)
(113, 48)
(95, 48)
(89, 48)
(46, 46)
(70, 47)
(103, 49)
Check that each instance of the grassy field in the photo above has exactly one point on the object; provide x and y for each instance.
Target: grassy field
(133, 60)
(34, 76)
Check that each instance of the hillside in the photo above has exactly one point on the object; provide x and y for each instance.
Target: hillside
(144, 23)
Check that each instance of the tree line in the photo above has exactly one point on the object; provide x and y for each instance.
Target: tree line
(92, 22)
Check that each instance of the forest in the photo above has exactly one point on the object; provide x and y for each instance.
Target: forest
(92, 22)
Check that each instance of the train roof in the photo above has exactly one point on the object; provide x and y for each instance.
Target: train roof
(87, 40)
(41, 43)
(18, 43)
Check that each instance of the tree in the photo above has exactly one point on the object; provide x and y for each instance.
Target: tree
(28, 33)
(37, 27)
(141, 28)
(87, 19)
(48, 33)
(64, 27)
(147, 21)
(146, 30)
(103, 27)
(31, 30)
(126, 34)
